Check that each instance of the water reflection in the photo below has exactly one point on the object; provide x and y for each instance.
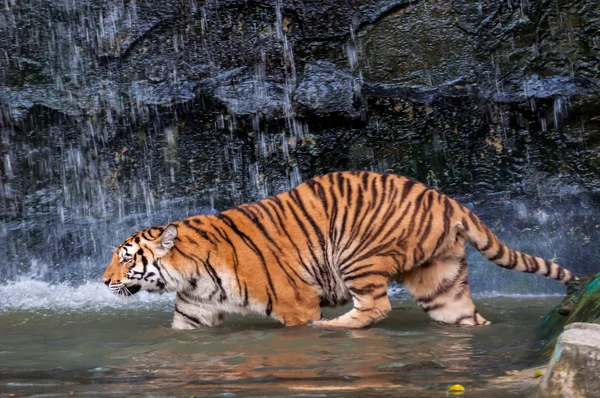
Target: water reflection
(127, 352)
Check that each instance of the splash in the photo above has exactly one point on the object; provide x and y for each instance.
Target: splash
(28, 294)
(33, 295)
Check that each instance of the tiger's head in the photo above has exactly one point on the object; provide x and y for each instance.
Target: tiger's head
(136, 263)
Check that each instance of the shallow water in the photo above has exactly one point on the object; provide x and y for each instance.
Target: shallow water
(123, 350)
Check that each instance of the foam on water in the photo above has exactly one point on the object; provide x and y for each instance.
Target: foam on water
(33, 295)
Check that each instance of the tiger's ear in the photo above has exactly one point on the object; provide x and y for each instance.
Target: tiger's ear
(166, 240)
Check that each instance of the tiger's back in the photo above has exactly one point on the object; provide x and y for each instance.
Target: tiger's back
(336, 237)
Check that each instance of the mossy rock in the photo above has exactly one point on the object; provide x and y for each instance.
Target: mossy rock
(582, 304)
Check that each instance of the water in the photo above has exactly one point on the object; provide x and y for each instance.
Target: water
(113, 347)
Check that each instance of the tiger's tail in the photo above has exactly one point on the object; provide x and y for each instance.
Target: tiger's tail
(488, 244)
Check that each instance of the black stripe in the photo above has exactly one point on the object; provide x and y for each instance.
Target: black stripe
(369, 288)
(548, 268)
(190, 318)
(460, 318)
(357, 269)
(322, 196)
(408, 186)
(268, 211)
(535, 266)
(291, 280)
(499, 254)
(428, 308)
(356, 229)
(463, 285)
(182, 297)
(418, 201)
(365, 274)
(422, 240)
(370, 233)
(215, 277)
(445, 285)
(157, 266)
(426, 211)
(248, 213)
(560, 274)
(448, 211)
(296, 198)
(375, 251)
(293, 243)
(524, 261)
(225, 237)
(397, 223)
(349, 201)
(257, 223)
(198, 231)
(340, 183)
(269, 304)
(514, 260)
(245, 303)
(490, 240)
(318, 269)
(250, 243)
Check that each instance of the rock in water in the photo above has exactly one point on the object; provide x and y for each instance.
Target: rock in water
(573, 369)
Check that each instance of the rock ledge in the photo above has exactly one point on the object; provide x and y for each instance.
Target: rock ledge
(574, 366)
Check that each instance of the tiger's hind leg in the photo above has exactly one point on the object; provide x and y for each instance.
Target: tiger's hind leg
(441, 288)
(368, 289)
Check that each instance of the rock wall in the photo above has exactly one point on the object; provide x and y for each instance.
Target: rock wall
(244, 98)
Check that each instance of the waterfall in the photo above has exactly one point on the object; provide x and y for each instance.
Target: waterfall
(120, 115)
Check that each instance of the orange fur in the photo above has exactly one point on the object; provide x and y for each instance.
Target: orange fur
(337, 237)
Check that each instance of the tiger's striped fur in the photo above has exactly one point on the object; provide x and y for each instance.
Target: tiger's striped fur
(341, 236)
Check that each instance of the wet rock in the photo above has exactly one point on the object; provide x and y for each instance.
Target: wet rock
(325, 90)
(573, 368)
(251, 96)
(581, 304)
(412, 46)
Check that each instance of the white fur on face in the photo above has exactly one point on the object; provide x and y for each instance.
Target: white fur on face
(145, 272)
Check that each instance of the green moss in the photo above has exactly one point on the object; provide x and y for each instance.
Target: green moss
(582, 304)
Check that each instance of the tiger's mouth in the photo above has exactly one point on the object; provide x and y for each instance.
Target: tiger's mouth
(127, 291)
(134, 289)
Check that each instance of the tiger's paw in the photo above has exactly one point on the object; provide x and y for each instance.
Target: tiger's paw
(472, 320)
(328, 324)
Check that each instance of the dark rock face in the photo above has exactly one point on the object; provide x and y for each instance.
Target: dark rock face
(110, 108)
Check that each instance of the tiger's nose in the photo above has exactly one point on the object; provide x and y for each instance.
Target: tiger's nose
(106, 281)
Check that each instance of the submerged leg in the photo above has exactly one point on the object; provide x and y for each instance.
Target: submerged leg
(368, 289)
(441, 288)
(193, 315)
(297, 307)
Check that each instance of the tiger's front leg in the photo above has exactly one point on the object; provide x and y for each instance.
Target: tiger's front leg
(367, 283)
(192, 315)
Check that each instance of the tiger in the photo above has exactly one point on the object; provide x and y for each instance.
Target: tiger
(341, 237)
